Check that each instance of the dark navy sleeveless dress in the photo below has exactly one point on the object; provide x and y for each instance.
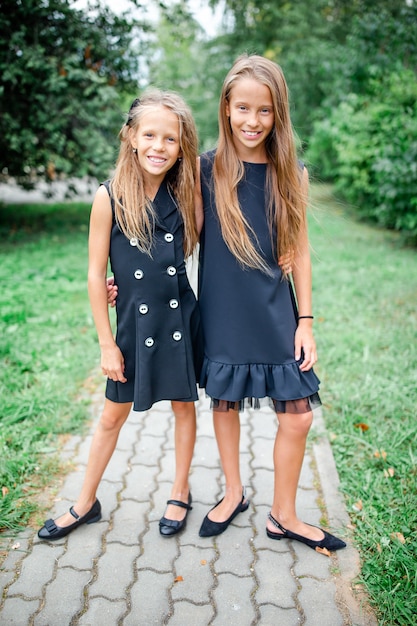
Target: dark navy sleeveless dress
(249, 318)
(158, 320)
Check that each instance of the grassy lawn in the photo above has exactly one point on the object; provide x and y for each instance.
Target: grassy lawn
(47, 346)
(365, 303)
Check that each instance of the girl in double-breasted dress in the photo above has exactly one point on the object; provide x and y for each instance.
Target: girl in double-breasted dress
(144, 221)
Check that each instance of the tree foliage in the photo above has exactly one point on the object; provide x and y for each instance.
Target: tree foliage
(62, 72)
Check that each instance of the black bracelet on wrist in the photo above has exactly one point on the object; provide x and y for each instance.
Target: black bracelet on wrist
(306, 317)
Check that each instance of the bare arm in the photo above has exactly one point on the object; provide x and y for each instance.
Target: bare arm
(112, 362)
(302, 277)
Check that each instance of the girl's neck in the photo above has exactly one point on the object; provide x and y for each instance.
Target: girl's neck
(151, 191)
(252, 156)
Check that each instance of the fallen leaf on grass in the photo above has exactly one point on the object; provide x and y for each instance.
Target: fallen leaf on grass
(178, 579)
(378, 547)
(380, 454)
(358, 506)
(389, 473)
(324, 551)
(362, 426)
(398, 536)
(4, 491)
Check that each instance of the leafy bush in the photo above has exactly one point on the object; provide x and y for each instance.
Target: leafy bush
(368, 147)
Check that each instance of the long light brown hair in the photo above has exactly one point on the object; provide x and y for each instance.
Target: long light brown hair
(286, 202)
(134, 211)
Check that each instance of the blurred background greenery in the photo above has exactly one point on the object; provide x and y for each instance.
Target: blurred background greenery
(70, 70)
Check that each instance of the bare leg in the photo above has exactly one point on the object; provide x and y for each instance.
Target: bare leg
(185, 432)
(102, 447)
(227, 430)
(289, 449)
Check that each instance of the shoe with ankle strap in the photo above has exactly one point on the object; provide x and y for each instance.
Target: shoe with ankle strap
(329, 541)
(169, 527)
(51, 531)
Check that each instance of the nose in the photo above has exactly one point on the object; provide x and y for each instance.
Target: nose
(253, 119)
(158, 144)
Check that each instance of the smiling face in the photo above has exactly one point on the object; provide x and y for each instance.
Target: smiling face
(251, 115)
(157, 141)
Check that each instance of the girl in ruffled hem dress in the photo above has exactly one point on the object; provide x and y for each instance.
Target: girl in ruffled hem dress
(258, 336)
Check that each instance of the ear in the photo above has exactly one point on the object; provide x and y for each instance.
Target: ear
(132, 138)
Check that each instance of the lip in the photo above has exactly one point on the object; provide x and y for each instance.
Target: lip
(251, 134)
(156, 160)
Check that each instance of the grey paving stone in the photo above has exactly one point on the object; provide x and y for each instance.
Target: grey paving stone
(118, 466)
(307, 506)
(103, 612)
(276, 582)
(206, 452)
(157, 552)
(36, 570)
(140, 482)
(307, 477)
(186, 614)
(262, 450)
(128, 436)
(84, 545)
(196, 575)
(318, 601)
(263, 485)
(16, 546)
(81, 458)
(18, 612)
(114, 572)
(148, 451)
(64, 598)
(149, 597)
(235, 553)
(271, 615)
(313, 564)
(232, 598)
(128, 523)
(6, 578)
(205, 480)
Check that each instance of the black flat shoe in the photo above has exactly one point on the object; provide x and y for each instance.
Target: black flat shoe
(169, 527)
(210, 529)
(51, 531)
(329, 541)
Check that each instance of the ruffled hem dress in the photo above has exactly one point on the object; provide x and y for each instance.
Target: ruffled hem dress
(158, 319)
(249, 318)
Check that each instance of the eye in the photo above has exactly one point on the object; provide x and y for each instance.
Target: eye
(241, 107)
(266, 111)
(171, 139)
(148, 135)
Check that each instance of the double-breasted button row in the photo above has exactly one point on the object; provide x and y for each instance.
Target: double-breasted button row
(143, 308)
(149, 341)
(139, 274)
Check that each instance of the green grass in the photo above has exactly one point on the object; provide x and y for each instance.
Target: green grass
(365, 297)
(365, 301)
(47, 345)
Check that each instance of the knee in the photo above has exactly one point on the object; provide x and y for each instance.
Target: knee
(183, 410)
(112, 420)
(297, 425)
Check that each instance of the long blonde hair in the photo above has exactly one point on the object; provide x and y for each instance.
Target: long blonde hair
(286, 201)
(134, 212)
